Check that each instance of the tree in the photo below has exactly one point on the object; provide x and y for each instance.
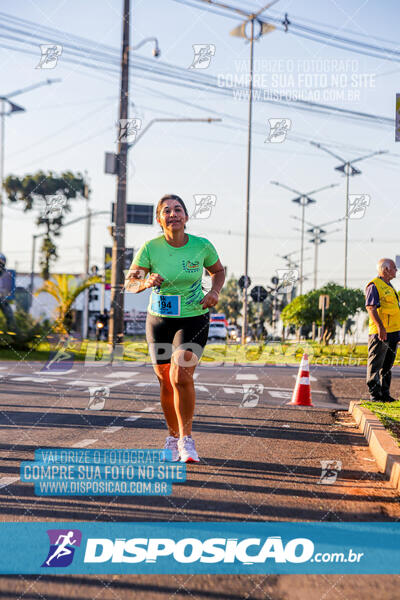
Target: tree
(229, 301)
(344, 303)
(36, 191)
(65, 289)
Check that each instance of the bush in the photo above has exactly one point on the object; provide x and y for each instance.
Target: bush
(28, 332)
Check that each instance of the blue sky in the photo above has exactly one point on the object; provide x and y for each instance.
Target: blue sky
(71, 124)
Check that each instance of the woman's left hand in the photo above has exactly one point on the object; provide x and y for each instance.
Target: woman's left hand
(210, 299)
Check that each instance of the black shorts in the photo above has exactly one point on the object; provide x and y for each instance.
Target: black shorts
(165, 334)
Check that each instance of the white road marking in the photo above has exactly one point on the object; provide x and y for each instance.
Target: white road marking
(280, 394)
(111, 385)
(48, 372)
(32, 379)
(87, 383)
(230, 390)
(201, 388)
(112, 429)
(132, 418)
(84, 443)
(146, 383)
(240, 387)
(246, 377)
(122, 374)
(148, 409)
(4, 481)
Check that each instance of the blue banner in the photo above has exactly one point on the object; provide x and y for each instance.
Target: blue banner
(214, 547)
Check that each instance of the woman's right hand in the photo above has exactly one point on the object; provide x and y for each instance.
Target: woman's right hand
(154, 280)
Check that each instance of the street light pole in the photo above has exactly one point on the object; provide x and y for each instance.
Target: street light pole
(38, 235)
(13, 108)
(347, 168)
(172, 120)
(3, 127)
(240, 31)
(304, 200)
(246, 251)
(346, 234)
(317, 231)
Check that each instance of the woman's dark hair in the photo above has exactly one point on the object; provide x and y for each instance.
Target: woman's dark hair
(170, 197)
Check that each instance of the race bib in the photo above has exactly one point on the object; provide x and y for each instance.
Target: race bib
(166, 305)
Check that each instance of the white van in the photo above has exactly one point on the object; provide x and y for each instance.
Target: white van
(217, 331)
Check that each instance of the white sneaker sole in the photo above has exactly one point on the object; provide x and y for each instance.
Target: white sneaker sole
(190, 459)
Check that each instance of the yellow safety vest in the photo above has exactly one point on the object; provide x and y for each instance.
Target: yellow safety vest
(389, 310)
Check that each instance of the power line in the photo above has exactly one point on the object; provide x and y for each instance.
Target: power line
(107, 60)
(316, 35)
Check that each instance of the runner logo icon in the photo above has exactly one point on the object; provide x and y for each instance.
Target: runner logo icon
(62, 547)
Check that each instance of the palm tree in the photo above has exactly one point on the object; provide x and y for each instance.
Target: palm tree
(65, 289)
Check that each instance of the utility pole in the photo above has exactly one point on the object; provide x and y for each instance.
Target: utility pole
(85, 312)
(116, 329)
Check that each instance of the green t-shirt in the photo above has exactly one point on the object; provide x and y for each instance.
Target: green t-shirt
(182, 270)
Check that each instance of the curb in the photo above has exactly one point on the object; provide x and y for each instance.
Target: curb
(382, 445)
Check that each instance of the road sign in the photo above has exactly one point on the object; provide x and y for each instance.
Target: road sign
(111, 163)
(397, 133)
(323, 302)
(139, 214)
(258, 293)
(244, 282)
(323, 305)
(107, 264)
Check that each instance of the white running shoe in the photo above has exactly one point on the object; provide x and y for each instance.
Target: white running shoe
(171, 443)
(187, 449)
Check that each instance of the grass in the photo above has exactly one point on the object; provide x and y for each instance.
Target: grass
(388, 414)
(271, 353)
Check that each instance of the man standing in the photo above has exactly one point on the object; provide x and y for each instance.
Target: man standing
(382, 304)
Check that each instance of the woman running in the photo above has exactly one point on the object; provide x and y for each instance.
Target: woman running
(177, 318)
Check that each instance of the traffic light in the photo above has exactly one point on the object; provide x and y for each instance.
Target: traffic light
(93, 293)
(244, 282)
(258, 293)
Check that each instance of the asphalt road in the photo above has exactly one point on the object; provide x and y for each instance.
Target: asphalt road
(260, 462)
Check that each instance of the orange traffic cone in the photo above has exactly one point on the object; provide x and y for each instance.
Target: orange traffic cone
(302, 389)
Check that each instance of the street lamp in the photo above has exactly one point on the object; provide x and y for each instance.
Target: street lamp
(172, 120)
(347, 168)
(156, 49)
(317, 231)
(304, 200)
(35, 236)
(13, 108)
